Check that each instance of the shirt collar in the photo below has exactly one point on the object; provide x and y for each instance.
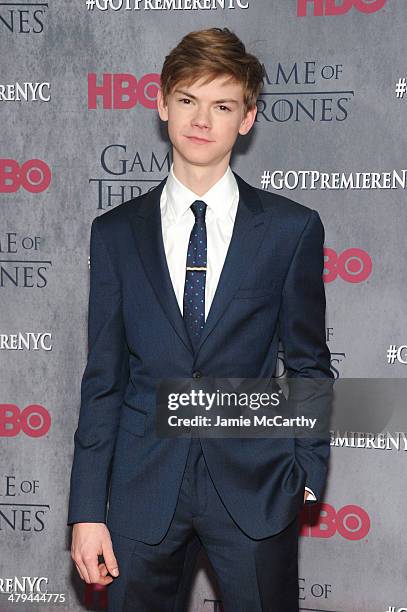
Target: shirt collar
(219, 198)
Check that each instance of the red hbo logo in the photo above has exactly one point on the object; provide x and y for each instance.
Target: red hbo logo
(322, 521)
(123, 91)
(34, 420)
(338, 7)
(34, 175)
(352, 265)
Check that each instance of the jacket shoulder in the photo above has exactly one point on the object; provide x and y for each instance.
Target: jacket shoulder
(281, 206)
(120, 213)
(284, 207)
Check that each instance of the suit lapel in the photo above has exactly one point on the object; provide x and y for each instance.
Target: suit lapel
(146, 224)
(250, 224)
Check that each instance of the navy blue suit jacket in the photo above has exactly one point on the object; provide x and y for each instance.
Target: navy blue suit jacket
(270, 288)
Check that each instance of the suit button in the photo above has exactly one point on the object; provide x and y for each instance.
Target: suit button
(196, 374)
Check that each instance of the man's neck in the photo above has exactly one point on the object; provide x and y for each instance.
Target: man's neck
(199, 179)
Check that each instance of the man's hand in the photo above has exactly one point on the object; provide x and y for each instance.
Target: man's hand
(306, 493)
(88, 541)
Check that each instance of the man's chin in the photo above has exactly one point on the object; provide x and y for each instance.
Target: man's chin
(197, 157)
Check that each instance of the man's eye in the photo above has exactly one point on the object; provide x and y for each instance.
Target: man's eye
(220, 105)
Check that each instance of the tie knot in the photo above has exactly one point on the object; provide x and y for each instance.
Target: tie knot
(199, 209)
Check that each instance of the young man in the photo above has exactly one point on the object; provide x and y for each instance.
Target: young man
(199, 277)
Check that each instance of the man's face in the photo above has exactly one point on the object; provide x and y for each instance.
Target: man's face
(212, 113)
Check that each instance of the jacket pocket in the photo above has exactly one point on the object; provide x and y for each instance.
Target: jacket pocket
(254, 292)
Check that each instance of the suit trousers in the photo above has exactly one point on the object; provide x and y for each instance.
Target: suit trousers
(252, 575)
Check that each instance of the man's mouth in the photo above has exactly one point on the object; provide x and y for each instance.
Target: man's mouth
(197, 140)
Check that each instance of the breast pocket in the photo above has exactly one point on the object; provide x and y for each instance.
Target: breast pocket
(245, 293)
(133, 420)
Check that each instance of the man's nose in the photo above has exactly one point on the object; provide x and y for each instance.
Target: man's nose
(201, 118)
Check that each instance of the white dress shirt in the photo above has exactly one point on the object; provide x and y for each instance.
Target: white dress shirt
(177, 221)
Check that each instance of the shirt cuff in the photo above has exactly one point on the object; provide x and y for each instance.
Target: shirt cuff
(311, 496)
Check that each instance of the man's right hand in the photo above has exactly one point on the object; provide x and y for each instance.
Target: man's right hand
(88, 541)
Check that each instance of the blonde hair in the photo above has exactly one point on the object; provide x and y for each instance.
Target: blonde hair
(211, 53)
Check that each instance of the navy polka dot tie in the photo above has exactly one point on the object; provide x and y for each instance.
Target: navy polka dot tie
(195, 275)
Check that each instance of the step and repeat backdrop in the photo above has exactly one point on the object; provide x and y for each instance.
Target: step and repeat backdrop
(80, 134)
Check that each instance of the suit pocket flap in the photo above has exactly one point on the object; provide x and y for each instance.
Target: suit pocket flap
(133, 420)
(254, 292)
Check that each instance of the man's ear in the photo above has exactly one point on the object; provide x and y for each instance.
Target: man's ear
(162, 109)
(248, 120)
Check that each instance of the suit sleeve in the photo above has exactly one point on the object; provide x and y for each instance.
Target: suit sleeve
(302, 332)
(102, 388)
